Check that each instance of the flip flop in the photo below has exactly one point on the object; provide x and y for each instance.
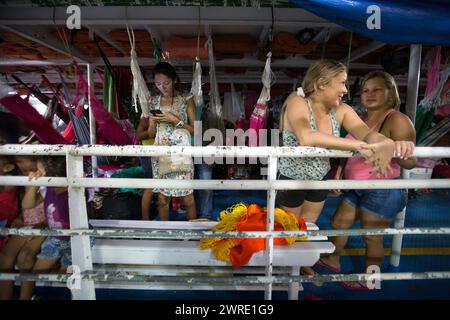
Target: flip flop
(321, 266)
(354, 285)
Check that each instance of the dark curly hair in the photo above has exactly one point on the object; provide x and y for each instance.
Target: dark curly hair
(54, 166)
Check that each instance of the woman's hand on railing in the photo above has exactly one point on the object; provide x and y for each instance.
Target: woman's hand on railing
(404, 149)
(382, 154)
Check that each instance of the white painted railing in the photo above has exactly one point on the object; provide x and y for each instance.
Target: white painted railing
(75, 181)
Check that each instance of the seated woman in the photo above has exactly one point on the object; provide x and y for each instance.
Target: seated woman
(374, 208)
(171, 123)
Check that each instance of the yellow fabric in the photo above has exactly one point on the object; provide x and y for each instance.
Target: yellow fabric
(148, 142)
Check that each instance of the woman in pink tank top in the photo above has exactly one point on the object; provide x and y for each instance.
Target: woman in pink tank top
(374, 208)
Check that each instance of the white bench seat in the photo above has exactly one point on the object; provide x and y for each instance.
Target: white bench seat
(182, 253)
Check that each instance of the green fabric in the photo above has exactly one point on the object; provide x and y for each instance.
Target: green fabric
(133, 173)
(109, 94)
(424, 119)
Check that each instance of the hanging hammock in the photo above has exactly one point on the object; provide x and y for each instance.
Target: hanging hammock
(140, 90)
(258, 119)
(213, 113)
(29, 116)
(430, 105)
(107, 125)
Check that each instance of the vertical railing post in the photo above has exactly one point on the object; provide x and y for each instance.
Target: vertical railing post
(80, 245)
(397, 239)
(271, 176)
(92, 127)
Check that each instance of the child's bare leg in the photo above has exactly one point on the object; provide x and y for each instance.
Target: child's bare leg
(163, 207)
(146, 203)
(8, 257)
(189, 203)
(27, 256)
(40, 266)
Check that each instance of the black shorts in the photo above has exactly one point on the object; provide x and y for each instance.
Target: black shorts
(295, 198)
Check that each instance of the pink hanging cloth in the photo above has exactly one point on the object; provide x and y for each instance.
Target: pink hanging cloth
(107, 125)
(258, 119)
(32, 119)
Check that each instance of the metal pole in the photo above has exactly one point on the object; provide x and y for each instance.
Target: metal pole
(82, 289)
(92, 127)
(271, 176)
(413, 81)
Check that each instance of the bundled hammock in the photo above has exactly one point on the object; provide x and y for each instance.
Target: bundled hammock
(213, 113)
(258, 119)
(243, 217)
(140, 91)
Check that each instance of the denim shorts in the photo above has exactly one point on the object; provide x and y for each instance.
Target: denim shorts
(384, 203)
(54, 248)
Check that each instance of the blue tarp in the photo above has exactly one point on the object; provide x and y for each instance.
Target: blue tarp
(401, 21)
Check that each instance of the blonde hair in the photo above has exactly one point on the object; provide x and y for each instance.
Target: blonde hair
(390, 84)
(320, 73)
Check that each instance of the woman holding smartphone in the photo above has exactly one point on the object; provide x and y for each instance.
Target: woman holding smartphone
(171, 123)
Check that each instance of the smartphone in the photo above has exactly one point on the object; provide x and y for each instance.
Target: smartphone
(155, 112)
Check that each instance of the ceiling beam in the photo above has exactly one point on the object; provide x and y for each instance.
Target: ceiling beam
(160, 15)
(42, 36)
(364, 51)
(105, 37)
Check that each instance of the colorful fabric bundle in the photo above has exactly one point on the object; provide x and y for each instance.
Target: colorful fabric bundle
(242, 217)
(260, 114)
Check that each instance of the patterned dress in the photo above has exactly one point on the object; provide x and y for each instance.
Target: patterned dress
(168, 134)
(306, 168)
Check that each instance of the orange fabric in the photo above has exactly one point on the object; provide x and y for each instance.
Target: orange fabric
(255, 220)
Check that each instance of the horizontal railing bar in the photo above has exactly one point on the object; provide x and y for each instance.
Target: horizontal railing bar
(196, 151)
(243, 279)
(227, 184)
(199, 234)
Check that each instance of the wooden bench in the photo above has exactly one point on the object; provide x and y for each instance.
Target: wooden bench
(181, 257)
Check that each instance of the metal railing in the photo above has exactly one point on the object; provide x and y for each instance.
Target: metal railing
(79, 231)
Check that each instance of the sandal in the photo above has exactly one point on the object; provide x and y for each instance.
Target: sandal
(354, 285)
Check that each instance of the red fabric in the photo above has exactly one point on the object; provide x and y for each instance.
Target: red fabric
(9, 205)
(255, 220)
(32, 119)
(258, 121)
(107, 126)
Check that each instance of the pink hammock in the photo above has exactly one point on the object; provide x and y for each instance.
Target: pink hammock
(258, 119)
(31, 118)
(107, 126)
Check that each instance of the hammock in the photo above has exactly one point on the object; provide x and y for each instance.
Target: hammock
(213, 113)
(430, 105)
(258, 119)
(107, 125)
(242, 217)
(140, 90)
(29, 116)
